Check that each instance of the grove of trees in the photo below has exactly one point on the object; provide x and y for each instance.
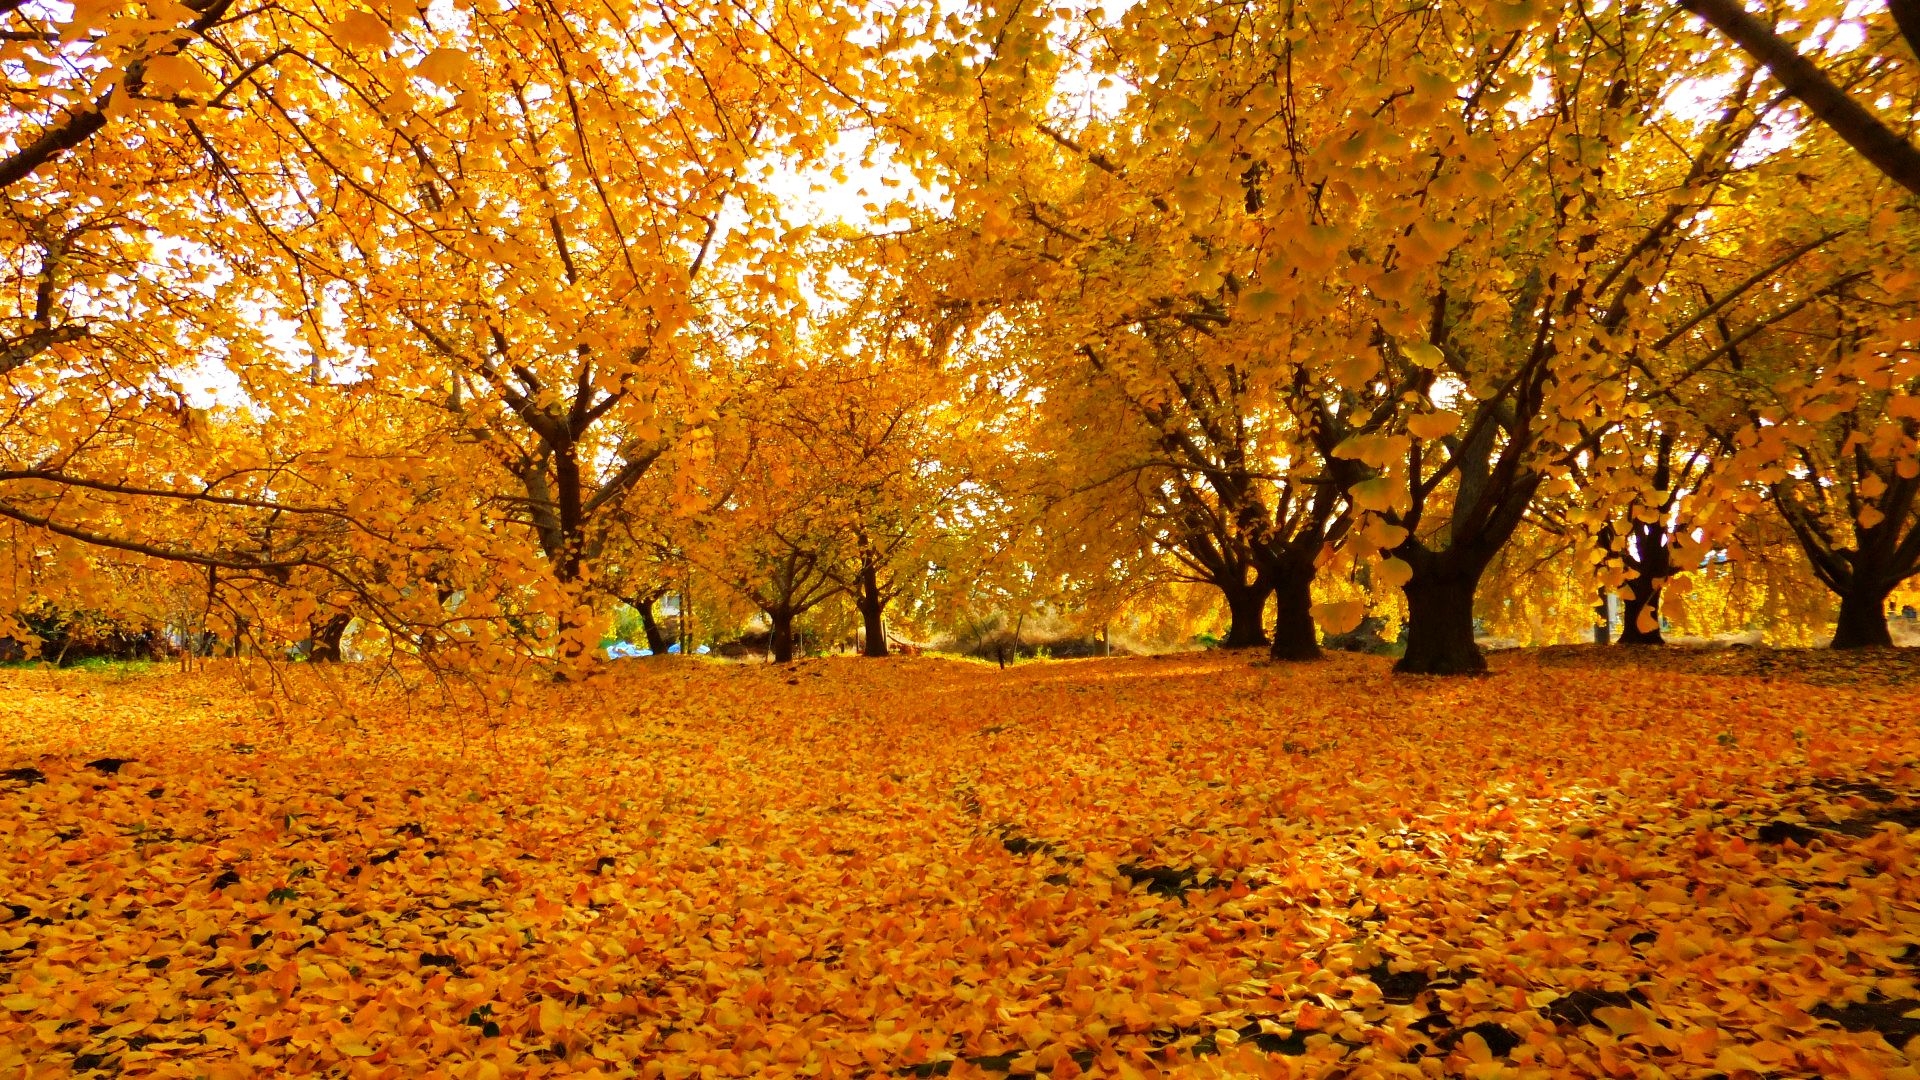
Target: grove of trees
(460, 324)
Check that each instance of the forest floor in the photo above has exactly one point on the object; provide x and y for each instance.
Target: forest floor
(1593, 862)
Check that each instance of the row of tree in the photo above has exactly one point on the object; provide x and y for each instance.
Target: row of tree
(469, 321)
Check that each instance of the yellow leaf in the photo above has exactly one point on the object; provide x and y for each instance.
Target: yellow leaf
(1622, 1022)
(1355, 372)
(362, 29)
(1260, 302)
(21, 1002)
(1433, 425)
(168, 75)
(1382, 535)
(553, 1018)
(1340, 616)
(442, 66)
(1375, 494)
(1353, 446)
(1395, 573)
(1376, 451)
(1476, 1048)
(1423, 353)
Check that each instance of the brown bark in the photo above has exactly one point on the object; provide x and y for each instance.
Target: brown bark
(326, 636)
(1293, 629)
(1642, 597)
(70, 131)
(1246, 611)
(1652, 562)
(873, 608)
(1906, 15)
(86, 121)
(1440, 623)
(1863, 619)
(657, 641)
(781, 636)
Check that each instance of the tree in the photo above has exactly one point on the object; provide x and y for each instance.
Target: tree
(516, 214)
(1131, 238)
(778, 558)
(1838, 450)
(901, 432)
(1216, 471)
(465, 324)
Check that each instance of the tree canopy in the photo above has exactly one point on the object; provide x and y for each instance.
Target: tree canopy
(1283, 321)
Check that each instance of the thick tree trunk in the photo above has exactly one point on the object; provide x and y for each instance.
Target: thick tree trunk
(1863, 619)
(782, 637)
(874, 628)
(1653, 561)
(1641, 598)
(325, 637)
(1246, 610)
(656, 637)
(1440, 624)
(873, 608)
(1293, 630)
(1602, 621)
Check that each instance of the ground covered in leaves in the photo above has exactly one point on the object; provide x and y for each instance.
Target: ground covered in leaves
(1194, 866)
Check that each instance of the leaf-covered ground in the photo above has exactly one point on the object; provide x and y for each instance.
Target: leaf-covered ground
(1195, 866)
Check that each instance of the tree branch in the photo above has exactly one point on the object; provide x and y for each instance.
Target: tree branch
(1862, 130)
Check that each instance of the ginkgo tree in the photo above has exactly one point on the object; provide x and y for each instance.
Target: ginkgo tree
(768, 528)
(907, 434)
(145, 420)
(132, 71)
(1103, 230)
(1833, 437)
(545, 217)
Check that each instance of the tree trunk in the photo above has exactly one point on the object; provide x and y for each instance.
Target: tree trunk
(1642, 596)
(1652, 560)
(1246, 609)
(657, 641)
(782, 636)
(1863, 619)
(324, 638)
(1440, 624)
(873, 608)
(1293, 630)
(1602, 621)
(686, 613)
